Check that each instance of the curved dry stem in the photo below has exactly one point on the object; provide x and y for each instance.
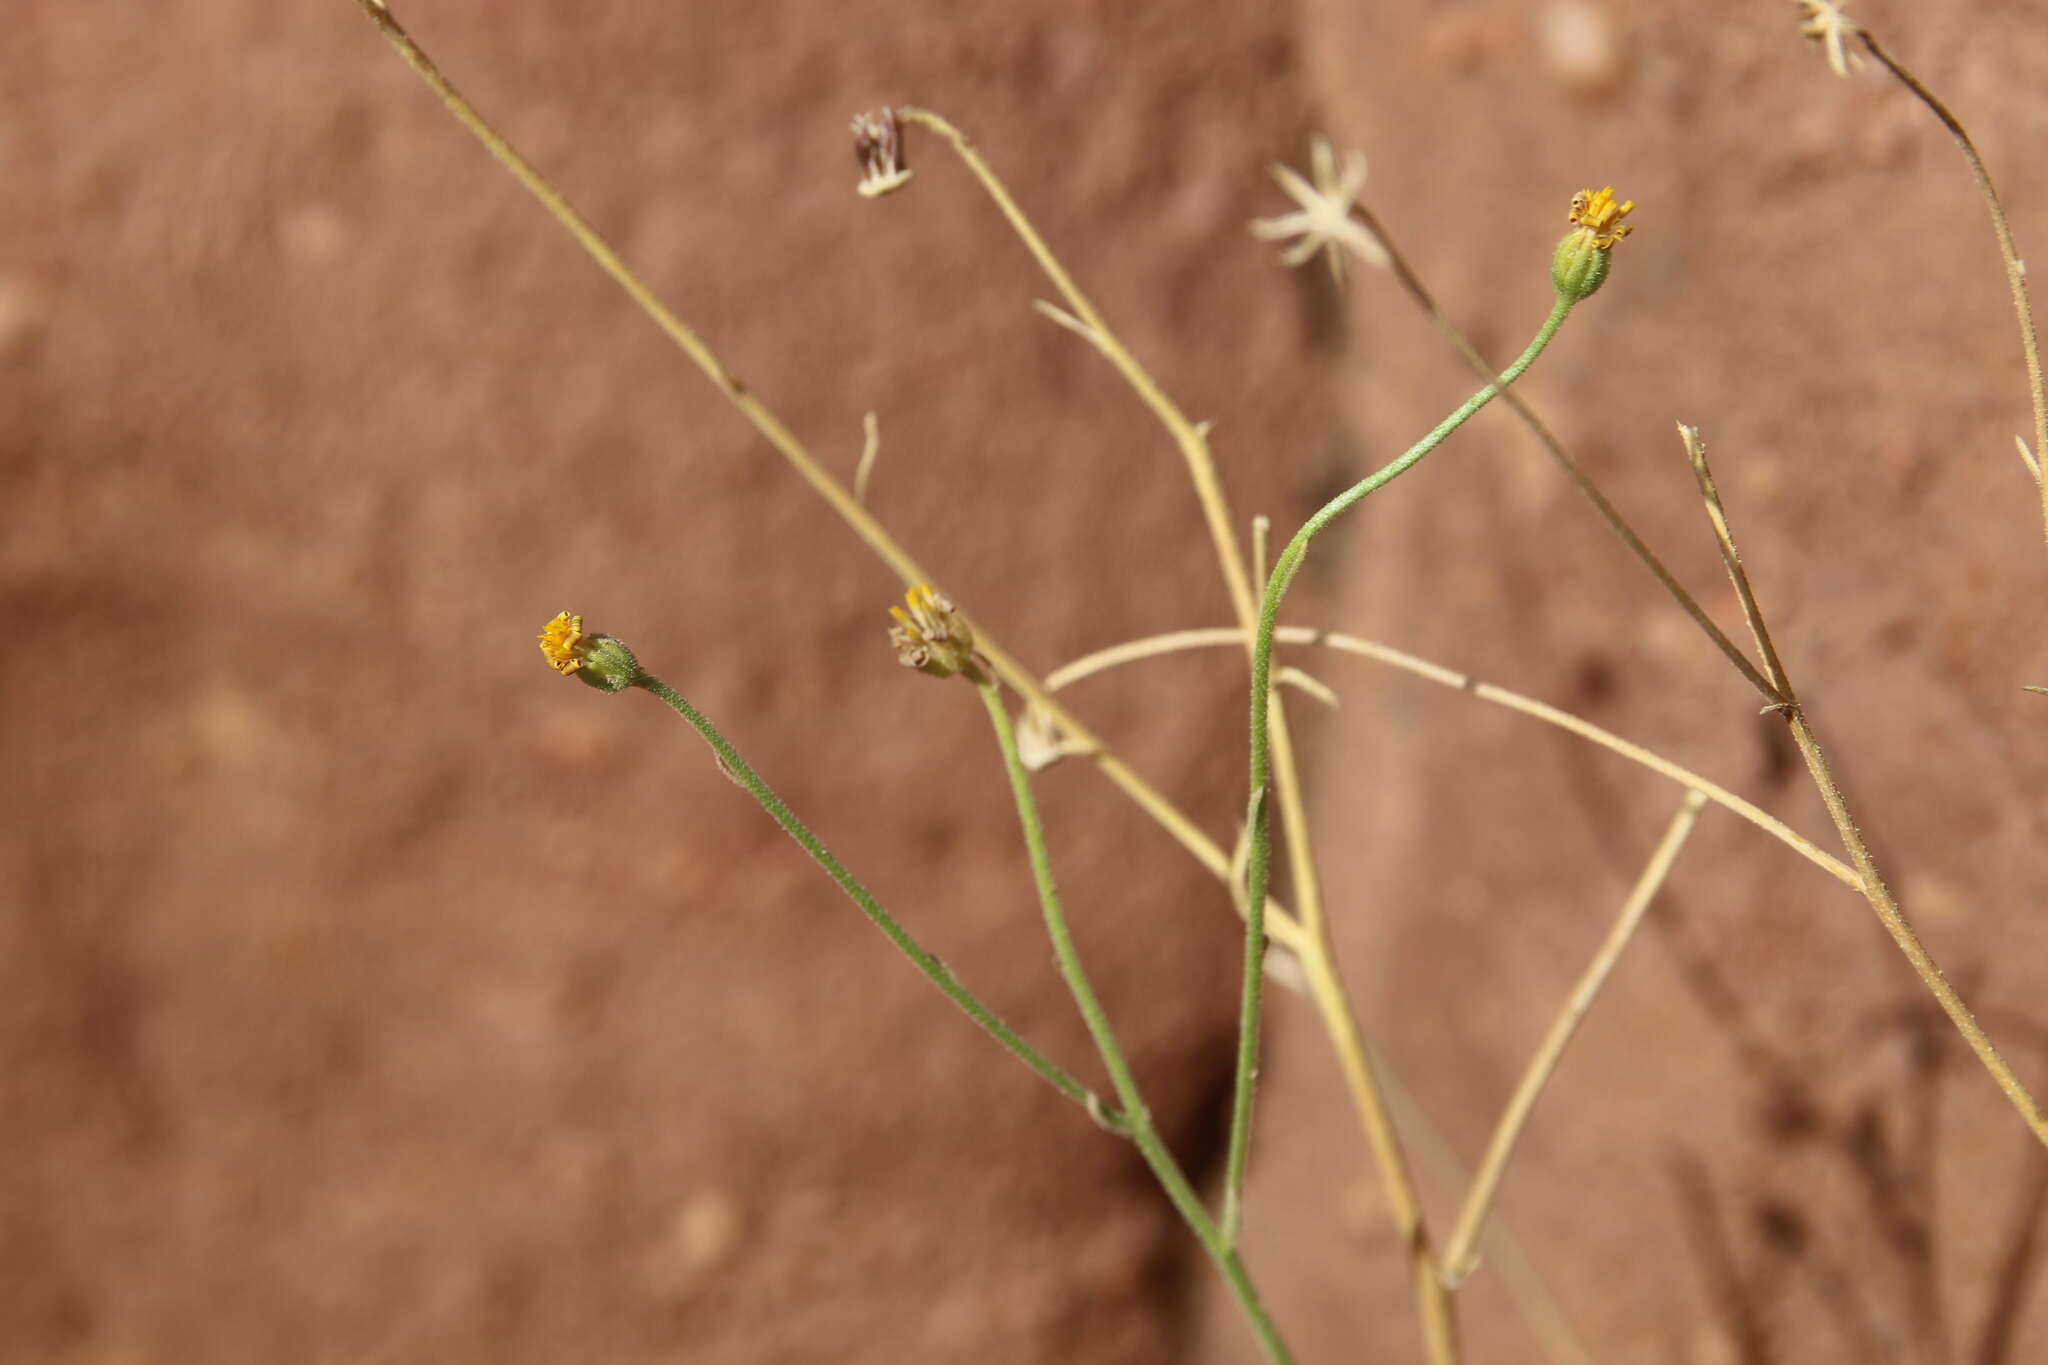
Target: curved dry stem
(870, 451)
(2008, 250)
(1173, 642)
(1484, 691)
(1083, 319)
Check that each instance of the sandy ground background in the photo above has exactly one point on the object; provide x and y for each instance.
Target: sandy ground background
(369, 994)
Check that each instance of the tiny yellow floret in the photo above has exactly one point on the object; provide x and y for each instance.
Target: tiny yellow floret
(1599, 214)
(562, 642)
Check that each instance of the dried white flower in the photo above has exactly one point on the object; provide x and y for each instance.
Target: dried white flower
(878, 145)
(1324, 219)
(1824, 22)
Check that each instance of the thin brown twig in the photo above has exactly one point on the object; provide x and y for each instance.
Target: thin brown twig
(1873, 884)
(1696, 452)
(2008, 250)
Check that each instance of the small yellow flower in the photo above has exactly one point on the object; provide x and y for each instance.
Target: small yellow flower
(1601, 215)
(562, 641)
(1824, 22)
(932, 636)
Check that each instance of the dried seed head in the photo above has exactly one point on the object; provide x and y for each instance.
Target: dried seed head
(932, 636)
(878, 146)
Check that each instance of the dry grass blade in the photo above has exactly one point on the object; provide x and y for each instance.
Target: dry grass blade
(1780, 691)
(1461, 1252)
(1872, 881)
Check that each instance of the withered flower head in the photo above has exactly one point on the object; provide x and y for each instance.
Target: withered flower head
(932, 636)
(878, 146)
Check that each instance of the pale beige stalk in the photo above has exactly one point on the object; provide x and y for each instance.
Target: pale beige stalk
(1157, 645)
(2008, 252)
(1870, 880)
(1461, 1253)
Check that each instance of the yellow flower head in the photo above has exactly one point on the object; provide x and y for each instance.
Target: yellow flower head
(932, 636)
(1601, 215)
(563, 642)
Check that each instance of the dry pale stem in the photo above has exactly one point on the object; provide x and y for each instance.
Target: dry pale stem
(1871, 882)
(2008, 250)
(1157, 645)
(1462, 1253)
(1191, 438)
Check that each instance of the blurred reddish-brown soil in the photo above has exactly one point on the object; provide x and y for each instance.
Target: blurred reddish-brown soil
(368, 994)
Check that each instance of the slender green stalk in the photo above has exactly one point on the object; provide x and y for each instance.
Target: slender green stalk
(1138, 1117)
(1412, 284)
(1284, 570)
(730, 761)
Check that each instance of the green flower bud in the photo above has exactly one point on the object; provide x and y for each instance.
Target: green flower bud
(1580, 264)
(608, 665)
(1579, 267)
